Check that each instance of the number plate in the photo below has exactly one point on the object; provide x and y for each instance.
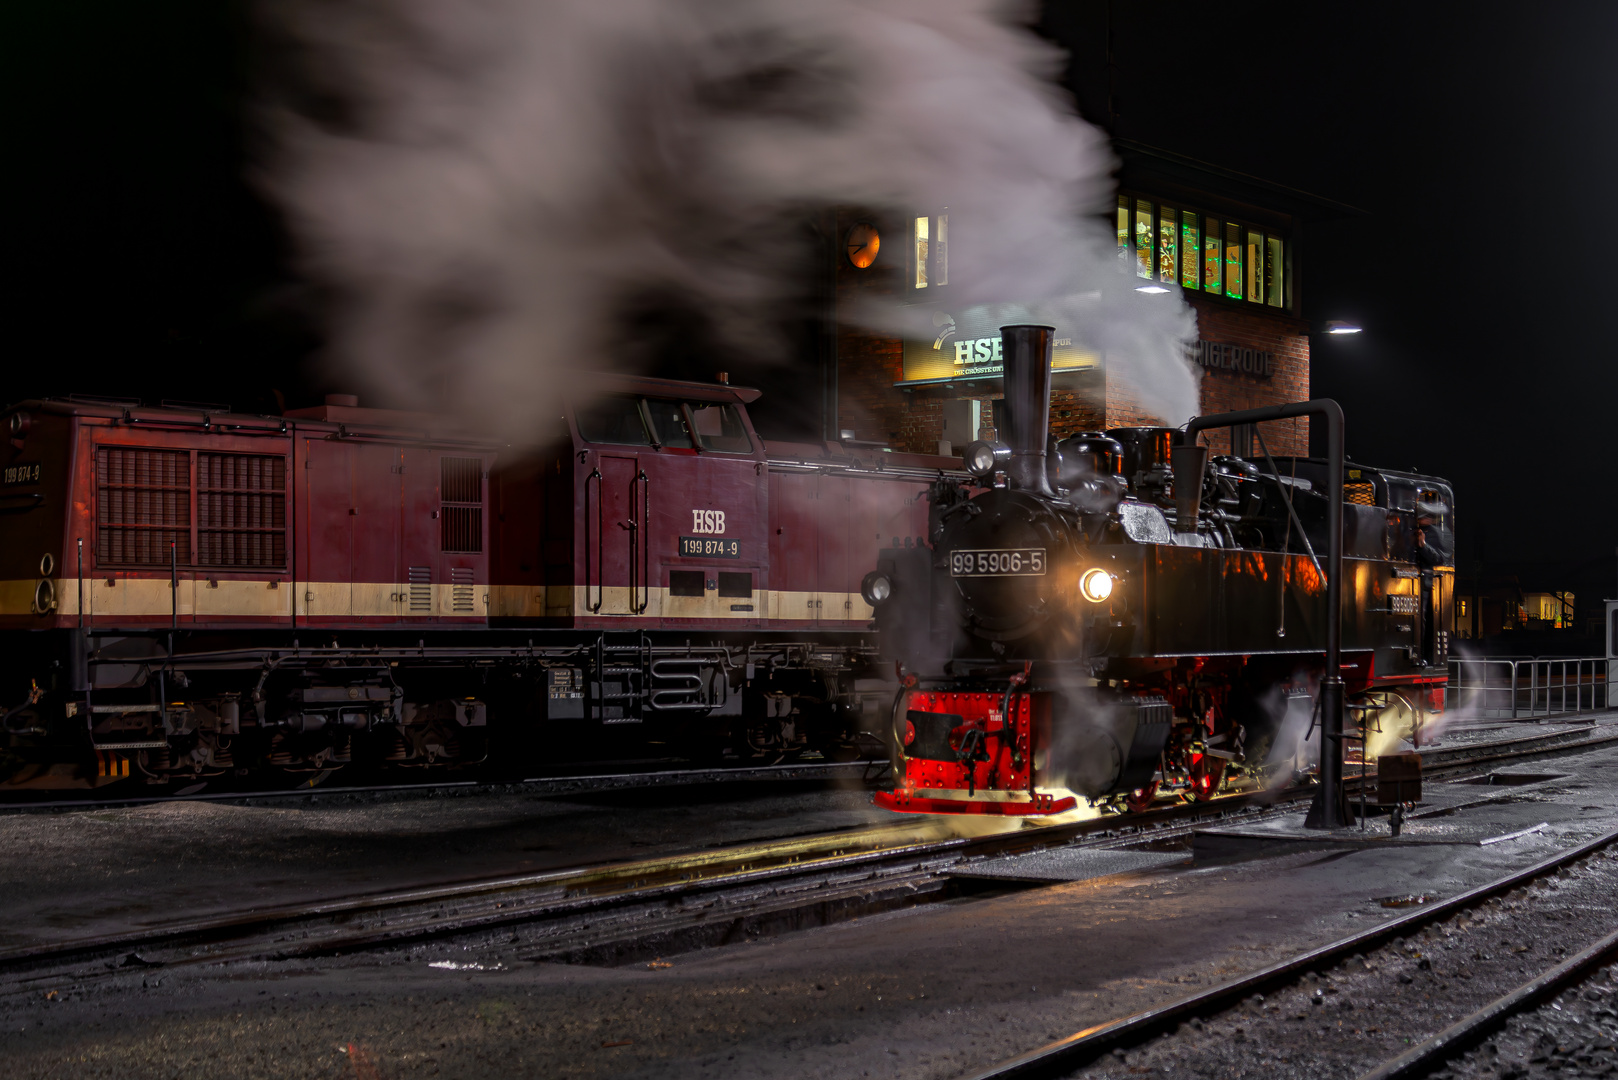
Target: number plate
(704, 548)
(997, 562)
(25, 473)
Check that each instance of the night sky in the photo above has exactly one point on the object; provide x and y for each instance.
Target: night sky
(136, 258)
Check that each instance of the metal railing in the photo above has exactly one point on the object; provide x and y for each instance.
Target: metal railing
(1520, 688)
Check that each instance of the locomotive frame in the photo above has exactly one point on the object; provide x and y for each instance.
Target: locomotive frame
(1132, 617)
(187, 592)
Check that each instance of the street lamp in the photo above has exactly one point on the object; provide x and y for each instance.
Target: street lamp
(1342, 326)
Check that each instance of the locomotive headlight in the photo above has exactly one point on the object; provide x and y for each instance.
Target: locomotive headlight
(982, 458)
(876, 588)
(1096, 585)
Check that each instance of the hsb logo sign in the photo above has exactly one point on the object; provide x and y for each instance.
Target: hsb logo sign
(708, 521)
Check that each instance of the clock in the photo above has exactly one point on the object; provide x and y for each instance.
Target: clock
(862, 244)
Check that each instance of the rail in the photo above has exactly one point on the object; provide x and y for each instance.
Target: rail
(1527, 688)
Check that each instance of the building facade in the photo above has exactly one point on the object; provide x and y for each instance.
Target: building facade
(1226, 243)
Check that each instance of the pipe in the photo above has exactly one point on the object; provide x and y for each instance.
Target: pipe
(1026, 350)
(1190, 465)
(1327, 811)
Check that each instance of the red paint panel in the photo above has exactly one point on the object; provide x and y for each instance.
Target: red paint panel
(687, 495)
(374, 501)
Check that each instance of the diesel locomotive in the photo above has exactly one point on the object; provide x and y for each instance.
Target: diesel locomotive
(190, 593)
(1124, 617)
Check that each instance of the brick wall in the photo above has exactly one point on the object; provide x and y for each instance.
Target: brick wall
(1227, 391)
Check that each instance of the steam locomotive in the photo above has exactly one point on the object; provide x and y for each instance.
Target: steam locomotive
(190, 593)
(1122, 617)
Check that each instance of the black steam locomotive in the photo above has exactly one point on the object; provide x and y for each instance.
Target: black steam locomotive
(1126, 618)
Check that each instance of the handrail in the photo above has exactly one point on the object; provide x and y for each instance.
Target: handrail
(638, 544)
(595, 474)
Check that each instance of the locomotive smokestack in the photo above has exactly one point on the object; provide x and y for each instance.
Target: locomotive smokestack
(1026, 350)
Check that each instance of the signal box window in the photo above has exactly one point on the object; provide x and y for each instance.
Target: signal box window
(719, 428)
(1203, 253)
(668, 424)
(615, 420)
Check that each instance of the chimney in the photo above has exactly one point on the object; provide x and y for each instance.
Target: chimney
(1026, 350)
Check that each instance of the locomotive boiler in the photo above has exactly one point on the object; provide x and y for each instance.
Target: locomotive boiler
(1123, 617)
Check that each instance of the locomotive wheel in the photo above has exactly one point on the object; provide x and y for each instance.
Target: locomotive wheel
(1141, 799)
(1206, 773)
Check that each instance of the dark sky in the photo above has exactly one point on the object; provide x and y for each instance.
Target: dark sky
(1482, 143)
(135, 258)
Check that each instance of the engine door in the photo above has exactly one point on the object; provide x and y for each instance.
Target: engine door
(616, 501)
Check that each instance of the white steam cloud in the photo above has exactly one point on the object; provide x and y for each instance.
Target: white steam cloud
(499, 194)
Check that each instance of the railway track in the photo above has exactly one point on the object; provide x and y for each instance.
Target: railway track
(1084, 1047)
(589, 783)
(617, 912)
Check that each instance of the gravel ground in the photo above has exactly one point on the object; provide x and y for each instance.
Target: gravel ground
(1573, 1036)
(929, 993)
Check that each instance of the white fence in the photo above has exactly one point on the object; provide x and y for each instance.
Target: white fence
(1521, 688)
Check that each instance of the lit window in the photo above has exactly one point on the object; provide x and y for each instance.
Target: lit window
(1200, 252)
(931, 250)
(1189, 242)
(922, 229)
(1168, 248)
(1233, 260)
(1255, 266)
(1143, 237)
(1274, 271)
(1212, 264)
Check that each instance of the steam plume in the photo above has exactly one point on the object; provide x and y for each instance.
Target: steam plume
(497, 194)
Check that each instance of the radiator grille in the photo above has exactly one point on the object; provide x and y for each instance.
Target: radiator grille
(1361, 494)
(143, 504)
(461, 496)
(241, 510)
(421, 589)
(460, 588)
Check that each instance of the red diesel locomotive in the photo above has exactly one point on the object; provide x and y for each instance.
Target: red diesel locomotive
(187, 592)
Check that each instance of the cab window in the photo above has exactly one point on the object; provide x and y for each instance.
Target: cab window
(719, 428)
(614, 420)
(668, 424)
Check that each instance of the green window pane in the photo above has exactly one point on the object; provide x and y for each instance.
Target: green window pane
(1168, 248)
(1213, 263)
(1233, 260)
(1274, 272)
(1143, 238)
(1123, 222)
(1255, 266)
(940, 251)
(1189, 255)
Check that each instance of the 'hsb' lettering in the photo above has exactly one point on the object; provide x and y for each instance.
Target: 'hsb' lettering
(708, 521)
